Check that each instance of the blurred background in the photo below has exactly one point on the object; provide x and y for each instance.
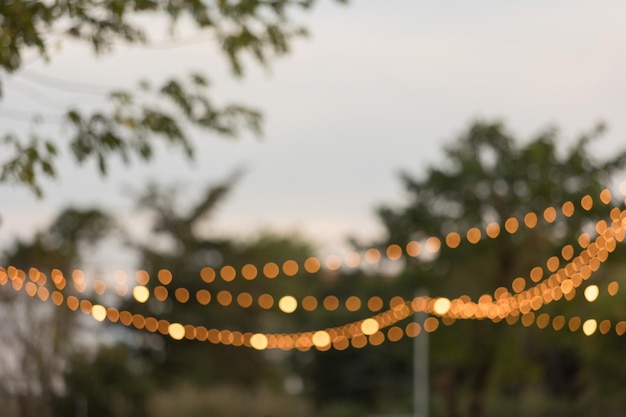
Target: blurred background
(201, 206)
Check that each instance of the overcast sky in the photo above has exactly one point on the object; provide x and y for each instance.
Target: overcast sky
(378, 88)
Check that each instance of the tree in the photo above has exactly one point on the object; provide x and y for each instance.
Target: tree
(38, 339)
(186, 366)
(480, 368)
(130, 124)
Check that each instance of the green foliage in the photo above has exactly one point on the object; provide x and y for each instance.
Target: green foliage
(187, 252)
(37, 339)
(257, 28)
(479, 368)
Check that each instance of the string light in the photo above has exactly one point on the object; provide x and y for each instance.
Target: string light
(567, 279)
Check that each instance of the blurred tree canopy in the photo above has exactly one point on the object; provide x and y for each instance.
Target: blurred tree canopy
(132, 120)
(38, 339)
(477, 367)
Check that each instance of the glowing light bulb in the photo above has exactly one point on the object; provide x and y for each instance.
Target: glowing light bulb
(321, 338)
(141, 293)
(259, 341)
(287, 304)
(98, 312)
(591, 293)
(589, 327)
(441, 306)
(176, 331)
(369, 326)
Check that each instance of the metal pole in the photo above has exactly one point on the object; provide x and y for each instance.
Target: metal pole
(420, 364)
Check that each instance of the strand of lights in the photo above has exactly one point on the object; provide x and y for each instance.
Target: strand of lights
(357, 334)
(176, 330)
(330, 303)
(288, 304)
(372, 256)
(562, 283)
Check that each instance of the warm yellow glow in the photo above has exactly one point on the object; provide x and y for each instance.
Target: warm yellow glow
(141, 294)
(549, 214)
(113, 314)
(584, 240)
(266, 301)
(353, 259)
(591, 293)
(574, 323)
(207, 274)
(164, 276)
(181, 295)
(224, 298)
(369, 326)
(228, 273)
(353, 303)
(244, 300)
(203, 297)
(333, 262)
(441, 306)
(372, 256)
(413, 248)
(309, 303)
(99, 287)
(394, 334)
(530, 220)
(85, 306)
(312, 265)
(567, 252)
(431, 324)
(359, 341)
(589, 327)
(126, 318)
(160, 293)
(552, 263)
(176, 331)
(142, 277)
(413, 329)
(453, 240)
(605, 196)
(613, 288)
(375, 303)
(586, 202)
(536, 274)
(287, 304)
(249, 271)
(270, 270)
(98, 312)
(433, 244)
(518, 284)
(43, 293)
(567, 286)
(331, 303)
(604, 326)
(543, 320)
(72, 302)
(290, 268)
(473, 235)
(259, 341)
(394, 252)
(321, 338)
(377, 339)
(568, 209)
(511, 225)
(57, 298)
(493, 230)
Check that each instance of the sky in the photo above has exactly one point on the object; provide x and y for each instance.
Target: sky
(377, 89)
